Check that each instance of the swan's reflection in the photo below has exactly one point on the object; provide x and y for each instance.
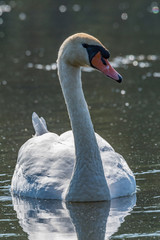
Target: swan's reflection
(89, 219)
(48, 219)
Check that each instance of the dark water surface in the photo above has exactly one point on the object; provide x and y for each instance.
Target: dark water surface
(126, 114)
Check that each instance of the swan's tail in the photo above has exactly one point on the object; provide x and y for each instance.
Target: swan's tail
(39, 125)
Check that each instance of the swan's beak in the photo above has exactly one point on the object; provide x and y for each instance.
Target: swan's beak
(105, 67)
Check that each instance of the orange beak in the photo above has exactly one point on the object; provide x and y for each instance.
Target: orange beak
(105, 67)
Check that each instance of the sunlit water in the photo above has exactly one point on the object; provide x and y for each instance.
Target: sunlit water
(126, 114)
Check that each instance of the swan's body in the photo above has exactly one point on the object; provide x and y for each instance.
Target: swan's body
(80, 168)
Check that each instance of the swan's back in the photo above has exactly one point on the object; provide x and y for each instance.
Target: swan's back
(45, 164)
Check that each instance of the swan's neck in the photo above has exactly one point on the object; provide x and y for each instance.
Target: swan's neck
(88, 182)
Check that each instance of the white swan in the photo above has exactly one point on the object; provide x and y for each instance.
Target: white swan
(74, 167)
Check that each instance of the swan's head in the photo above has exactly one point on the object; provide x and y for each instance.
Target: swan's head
(82, 49)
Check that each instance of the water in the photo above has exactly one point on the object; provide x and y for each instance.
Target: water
(126, 114)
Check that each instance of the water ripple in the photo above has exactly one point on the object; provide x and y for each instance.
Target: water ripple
(39, 66)
(140, 61)
(8, 235)
(4, 8)
(137, 235)
(148, 172)
(5, 198)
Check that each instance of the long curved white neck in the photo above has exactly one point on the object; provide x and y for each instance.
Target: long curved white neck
(88, 182)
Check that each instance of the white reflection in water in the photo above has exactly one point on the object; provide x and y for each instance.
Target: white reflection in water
(62, 8)
(48, 67)
(48, 219)
(28, 53)
(140, 61)
(154, 8)
(124, 16)
(76, 7)
(148, 172)
(137, 61)
(149, 75)
(22, 16)
(137, 235)
(123, 92)
(4, 8)
(156, 74)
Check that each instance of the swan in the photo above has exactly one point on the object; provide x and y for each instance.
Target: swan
(78, 165)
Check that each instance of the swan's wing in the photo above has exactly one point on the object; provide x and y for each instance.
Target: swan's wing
(43, 121)
(39, 125)
(103, 144)
(120, 178)
(44, 168)
(67, 138)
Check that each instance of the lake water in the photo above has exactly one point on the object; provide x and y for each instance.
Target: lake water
(126, 114)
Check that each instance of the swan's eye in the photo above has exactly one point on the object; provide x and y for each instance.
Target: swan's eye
(85, 45)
